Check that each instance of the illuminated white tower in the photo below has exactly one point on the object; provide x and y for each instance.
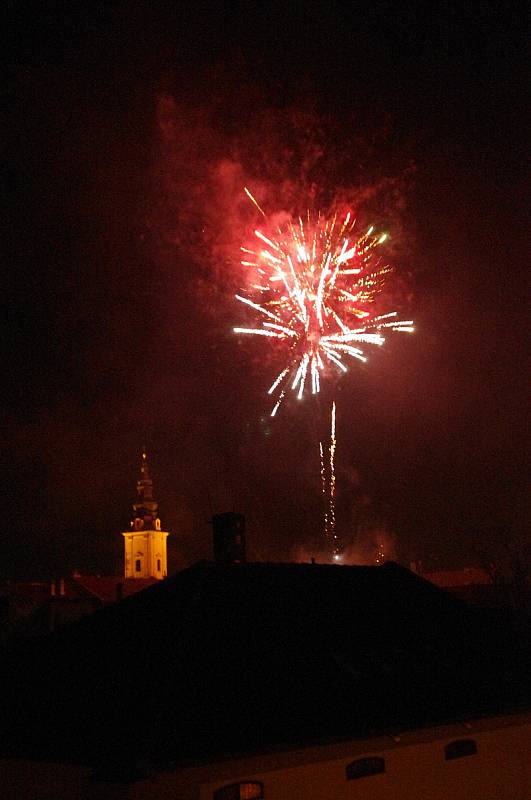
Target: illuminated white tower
(145, 544)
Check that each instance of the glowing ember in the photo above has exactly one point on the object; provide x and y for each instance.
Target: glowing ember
(312, 285)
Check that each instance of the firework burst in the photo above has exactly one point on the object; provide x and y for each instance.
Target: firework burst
(312, 285)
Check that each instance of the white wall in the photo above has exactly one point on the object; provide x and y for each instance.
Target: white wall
(416, 769)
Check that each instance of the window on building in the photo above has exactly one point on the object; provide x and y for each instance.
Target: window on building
(362, 767)
(249, 790)
(138, 565)
(158, 564)
(460, 748)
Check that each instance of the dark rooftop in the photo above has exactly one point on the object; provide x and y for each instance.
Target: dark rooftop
(221, 661)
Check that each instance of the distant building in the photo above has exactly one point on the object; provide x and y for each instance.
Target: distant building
(145, 553)
(35, 608)
(273, 681)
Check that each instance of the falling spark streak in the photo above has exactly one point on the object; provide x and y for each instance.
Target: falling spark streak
(267, 254)
(315, 376)
(274, 386)
(336, 360)
(328, 487)
(303, 375)
(257, 332)
(280, 399)
(287, 331)
(251, 198)
(298, 376)
(266, 240)
(316, 280)
(332, 514)
(258, 307)
(323, 486)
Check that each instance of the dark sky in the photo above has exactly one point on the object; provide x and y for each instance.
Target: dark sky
(120, 331)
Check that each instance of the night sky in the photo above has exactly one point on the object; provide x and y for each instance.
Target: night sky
(131, 132)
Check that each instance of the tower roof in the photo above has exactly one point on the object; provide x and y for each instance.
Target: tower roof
(145, 510)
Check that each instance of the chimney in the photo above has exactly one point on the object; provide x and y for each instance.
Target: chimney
(229, 538)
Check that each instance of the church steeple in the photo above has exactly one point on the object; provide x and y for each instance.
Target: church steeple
(145, 510)
(145, 543)
(144, 485)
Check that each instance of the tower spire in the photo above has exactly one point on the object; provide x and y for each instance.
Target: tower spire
(145, 510)
(145, 543)
(144, 485)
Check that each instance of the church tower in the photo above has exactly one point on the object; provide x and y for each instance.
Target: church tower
(145, 544)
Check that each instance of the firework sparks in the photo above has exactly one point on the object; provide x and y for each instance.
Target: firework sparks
(312, 285)
(328, 485)
(333, 443)
(380, 554)
(324, 487)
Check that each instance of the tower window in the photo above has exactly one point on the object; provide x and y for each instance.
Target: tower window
(138, 565)
(158, 564)
(362, 767)
(460, 748)
(250, 790)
